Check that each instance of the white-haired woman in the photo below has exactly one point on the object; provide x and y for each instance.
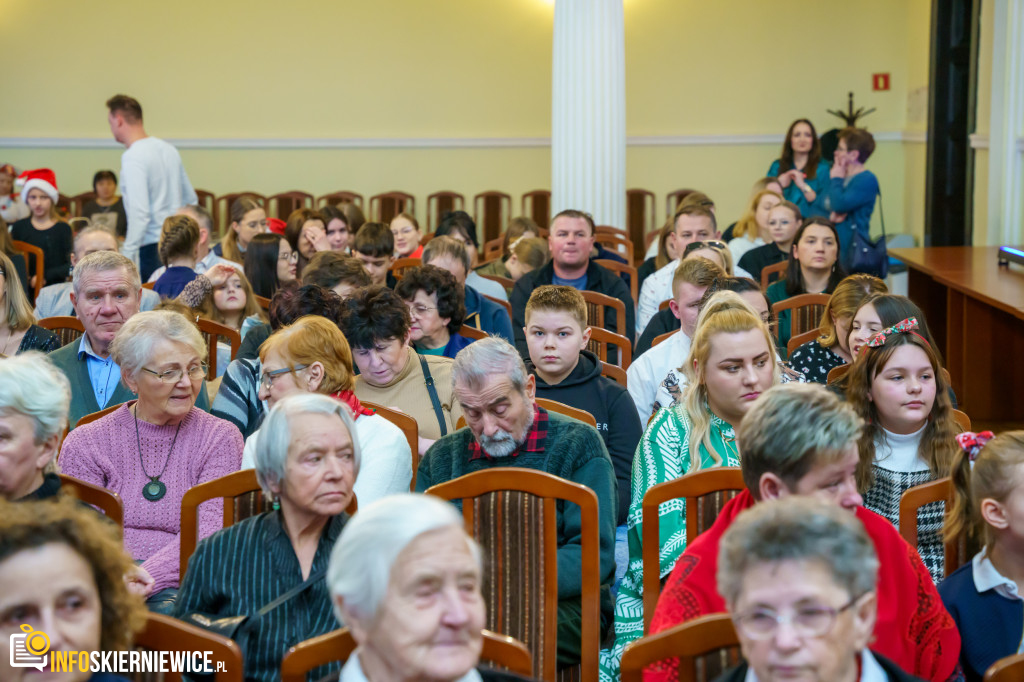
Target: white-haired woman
(33, 413)
(151, 450)
(413, 604)
(307, 459)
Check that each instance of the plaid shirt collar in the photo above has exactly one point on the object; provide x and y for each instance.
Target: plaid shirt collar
(536, 437)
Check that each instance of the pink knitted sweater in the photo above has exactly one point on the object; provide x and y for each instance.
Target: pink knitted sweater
(105, 453)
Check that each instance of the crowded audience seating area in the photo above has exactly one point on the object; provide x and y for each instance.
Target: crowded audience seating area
(348, 437)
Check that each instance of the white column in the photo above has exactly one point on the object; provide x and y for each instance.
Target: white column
(588, 110)
(1005, 176)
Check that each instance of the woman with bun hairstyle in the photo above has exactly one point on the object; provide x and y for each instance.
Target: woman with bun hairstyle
(178, 248)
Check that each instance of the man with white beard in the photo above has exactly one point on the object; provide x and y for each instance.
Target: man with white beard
(508, 429)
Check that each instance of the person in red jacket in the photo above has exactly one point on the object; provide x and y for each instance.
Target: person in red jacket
(800, 439)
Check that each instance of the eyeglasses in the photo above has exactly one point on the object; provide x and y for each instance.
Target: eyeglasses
(418, 309)
(706, 244)
(173, 376)
(267, 380)
(807, 621)
(291, 256)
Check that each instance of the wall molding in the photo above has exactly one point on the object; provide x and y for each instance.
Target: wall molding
(422, 142)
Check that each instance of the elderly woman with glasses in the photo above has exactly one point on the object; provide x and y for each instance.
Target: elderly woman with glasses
(437, 308)
(151, 450)
(312, 356)
(33, 414)
(307, 460)
(798, 576)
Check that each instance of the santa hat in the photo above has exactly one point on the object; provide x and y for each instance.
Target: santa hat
(276, 225)
(40, 178)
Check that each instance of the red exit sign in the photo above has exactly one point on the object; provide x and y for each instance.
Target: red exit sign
(879, 81)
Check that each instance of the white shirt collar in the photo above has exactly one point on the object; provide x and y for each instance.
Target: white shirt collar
(870, 670)
(987, 577)
(352, 671)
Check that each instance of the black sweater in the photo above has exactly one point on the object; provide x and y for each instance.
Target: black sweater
(56, 244)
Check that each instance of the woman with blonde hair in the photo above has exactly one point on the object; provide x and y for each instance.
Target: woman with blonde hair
(831, 349)
(525, 254)
(18, 330)
(752, 228)
(732, 360)
(248, 219)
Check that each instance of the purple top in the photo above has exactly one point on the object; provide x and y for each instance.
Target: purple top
(105, 453)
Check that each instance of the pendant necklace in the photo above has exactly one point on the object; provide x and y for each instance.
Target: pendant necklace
(155, 489)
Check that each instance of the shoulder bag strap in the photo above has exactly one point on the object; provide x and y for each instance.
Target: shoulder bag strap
(881, 213)
(294, 592)
(432, 390)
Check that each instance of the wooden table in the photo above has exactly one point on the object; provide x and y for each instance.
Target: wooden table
(975, 311)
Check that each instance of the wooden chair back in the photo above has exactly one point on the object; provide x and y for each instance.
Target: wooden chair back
(263, 302)
(410, 429)
(640, 218)
(614, 372)
(283, 204)
(39, 271)
(336, 647)
(673, 199)
(772, 273)
(800, 339)
(536, 205)
(385, 206)
(837, 373)
(79, 201)
(213, 333)
(66, 327)
(663, 337)
(554, 406)
(93, 416)
(610, 347)
(149, 285)
(208, 200)
(700, 650)
(621, 269)
(400, 265)
(504, 508)
(703, 494)
(491, 211)
(914, 500)
(105, 500)
(63, 206)
(473, 332)
(222, 215)
(618, 244)
(335, 198)
(597, 305)
(492, 248)
(1009, 669)
(506, 282)
(504, 304)
(163, 633)
(612, 230)
(440, 203)
(961, 418)
(664, 304)
(805, 312)
(242, 497)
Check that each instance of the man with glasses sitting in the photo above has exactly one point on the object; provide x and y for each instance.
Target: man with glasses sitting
(801, 440)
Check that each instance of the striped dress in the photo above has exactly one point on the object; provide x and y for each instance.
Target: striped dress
(662, 455)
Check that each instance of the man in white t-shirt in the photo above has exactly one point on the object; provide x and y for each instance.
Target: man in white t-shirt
(654, 379)
(153, 182)
(206, 258)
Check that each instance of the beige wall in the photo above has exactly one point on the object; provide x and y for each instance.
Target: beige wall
(410, 69)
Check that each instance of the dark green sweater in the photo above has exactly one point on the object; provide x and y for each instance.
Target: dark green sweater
(573, 451)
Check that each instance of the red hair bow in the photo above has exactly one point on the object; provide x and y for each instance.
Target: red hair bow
(972, 443)
(907, 326)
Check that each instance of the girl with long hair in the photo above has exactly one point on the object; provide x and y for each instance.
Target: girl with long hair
(269, 263)
(43, 227)
(18, 330)
(801, 171)
(752, 228)
(248, 219)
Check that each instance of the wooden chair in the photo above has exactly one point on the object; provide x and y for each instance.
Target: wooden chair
(602, 343)
(766, 274)
(212, 333)
(400, 265)
(93, 416)
(68, 328)
(662, 337)
(664, 304)
(148, 285)
(961, 418)
(207, 200)
(702, 649)
(409, 428)
(596, 311)
(492, 249)
(704, 493)
(504, 304)
(63, 206)
(940, 490)
(223, 213)
(282, 204)
(79, 201)
(337, 646)
(163, 633)
(619, 245)
(537, 205)
(622, 268)
(805, 315)
(385, 206)
(640, 218)
(800, 339)
(673, 199)
(504, 508)
(440, 203)
(614, 372)
(837, 373)
(491, 211)
(557, 407)
(473, 332)
(506, 282)
(335, 198)
(263, 302)
(107, 501)
(40, 269)
(612, 230)
(1009, 669)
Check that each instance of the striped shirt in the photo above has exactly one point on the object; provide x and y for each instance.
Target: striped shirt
(241, 569)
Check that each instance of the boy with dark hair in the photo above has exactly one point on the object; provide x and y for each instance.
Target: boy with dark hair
(336, 271)
(374, 247)
(557, 335)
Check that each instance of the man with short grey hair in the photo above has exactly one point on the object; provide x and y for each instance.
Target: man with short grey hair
(205, 258)
(507, 428)
(105, 294)
(55, 300)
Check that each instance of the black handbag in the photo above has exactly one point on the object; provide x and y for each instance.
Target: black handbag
(869, 257)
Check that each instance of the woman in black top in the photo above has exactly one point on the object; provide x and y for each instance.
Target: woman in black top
(43, 228)
(107, 209)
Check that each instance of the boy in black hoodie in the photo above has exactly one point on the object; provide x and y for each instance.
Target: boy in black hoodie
(557, 334)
